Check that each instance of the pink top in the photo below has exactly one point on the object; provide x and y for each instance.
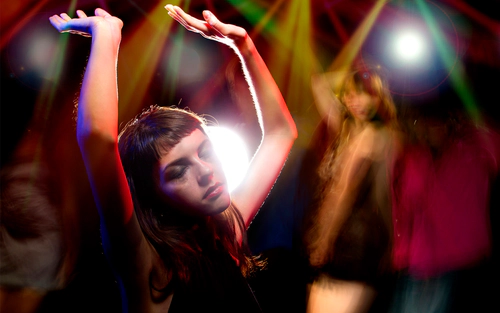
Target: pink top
(441, 206)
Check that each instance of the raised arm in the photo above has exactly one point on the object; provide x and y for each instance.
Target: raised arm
(97, 134)
(327, 103)
(278, 127)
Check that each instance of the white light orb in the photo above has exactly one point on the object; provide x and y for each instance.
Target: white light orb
(409, 46)
(232, 152)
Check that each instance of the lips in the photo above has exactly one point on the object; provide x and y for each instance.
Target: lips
(358, 111)
(214, 191)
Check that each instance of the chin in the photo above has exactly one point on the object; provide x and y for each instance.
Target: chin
(220, 206)
(221, 210)
(224, 206)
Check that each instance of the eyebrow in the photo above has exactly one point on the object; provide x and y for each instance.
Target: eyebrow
(183, 160)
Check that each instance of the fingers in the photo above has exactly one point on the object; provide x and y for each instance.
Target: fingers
(101, 12)
(210, 27)
(210, 18)
(169, 7)
(65, 17)
(65, 24)
(186, 20)
(213, 22)
(180, 20)
(58, 21)
(81, 14)
(223, 29)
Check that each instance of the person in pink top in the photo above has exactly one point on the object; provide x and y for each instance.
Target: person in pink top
(441, 193)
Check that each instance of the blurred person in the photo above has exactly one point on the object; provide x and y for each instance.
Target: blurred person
(441, 206)
(171, 231)
(348, 232)
(31, 244)
(37, 252)
(46, 257)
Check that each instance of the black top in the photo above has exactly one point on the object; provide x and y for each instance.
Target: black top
(217, 285)
(362, 249)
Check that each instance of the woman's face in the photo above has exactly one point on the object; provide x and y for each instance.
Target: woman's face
(361, 105)
(191, 177)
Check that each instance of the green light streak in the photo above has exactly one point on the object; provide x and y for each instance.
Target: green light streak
(455, 68)
(45, 102)
(258, 16)
(300, 60)
(175, 62)
(47, 97)
(140, 55)
(344, 59)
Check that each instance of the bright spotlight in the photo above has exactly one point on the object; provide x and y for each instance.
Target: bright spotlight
(409, 46)
(191, 60)
(232, 153)
(40, 53)
(31, 56)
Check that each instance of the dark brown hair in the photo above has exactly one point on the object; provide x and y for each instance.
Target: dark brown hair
(176, 236)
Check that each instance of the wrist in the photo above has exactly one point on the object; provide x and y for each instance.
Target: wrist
(245, 45)
(109, 29)
(106, 33)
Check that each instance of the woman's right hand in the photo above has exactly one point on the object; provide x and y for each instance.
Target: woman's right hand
(210, 28)
(88, 26)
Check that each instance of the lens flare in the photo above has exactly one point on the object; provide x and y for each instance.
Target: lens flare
(232, 153)
(409, 46)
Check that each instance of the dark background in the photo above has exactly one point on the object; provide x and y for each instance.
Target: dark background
(30, 46)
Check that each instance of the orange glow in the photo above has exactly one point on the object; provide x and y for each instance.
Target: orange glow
(346, 56)
(10, 12)
(140, 53)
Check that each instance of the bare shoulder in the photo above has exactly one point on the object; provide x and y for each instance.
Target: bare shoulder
(379, 141)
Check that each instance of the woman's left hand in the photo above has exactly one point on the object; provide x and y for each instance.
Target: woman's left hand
(86, 25)
(210, 28)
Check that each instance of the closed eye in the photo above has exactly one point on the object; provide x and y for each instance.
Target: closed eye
(206, 150)
(176, 172)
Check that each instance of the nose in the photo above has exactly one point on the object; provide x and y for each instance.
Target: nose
(206, 172)
(350, 100)
(353, 100)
